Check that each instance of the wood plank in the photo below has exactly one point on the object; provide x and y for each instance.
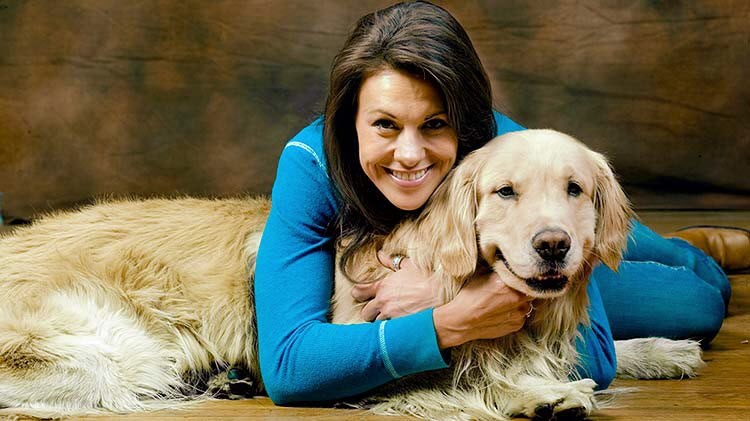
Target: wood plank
(157, 98)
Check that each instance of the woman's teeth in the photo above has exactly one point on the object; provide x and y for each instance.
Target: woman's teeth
(409, 176)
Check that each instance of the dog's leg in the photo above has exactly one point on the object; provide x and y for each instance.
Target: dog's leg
(534, 398)
(74, 353)
(542, 399)
(233, 383)
(444, 403)
(658, 358)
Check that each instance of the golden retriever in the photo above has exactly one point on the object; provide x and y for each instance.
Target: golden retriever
(120, 306)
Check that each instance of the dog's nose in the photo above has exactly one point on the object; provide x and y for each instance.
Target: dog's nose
(551, 245)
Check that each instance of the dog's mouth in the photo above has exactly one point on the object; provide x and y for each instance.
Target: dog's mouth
(550, 281)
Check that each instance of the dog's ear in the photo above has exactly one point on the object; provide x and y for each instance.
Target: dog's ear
(613, 214)
(447, 224)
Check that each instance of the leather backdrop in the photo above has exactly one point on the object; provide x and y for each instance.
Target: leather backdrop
(110, 97)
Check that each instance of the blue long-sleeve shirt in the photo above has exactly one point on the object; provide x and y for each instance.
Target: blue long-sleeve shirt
(305, 358)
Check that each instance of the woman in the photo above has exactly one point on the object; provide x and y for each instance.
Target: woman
(408, 99)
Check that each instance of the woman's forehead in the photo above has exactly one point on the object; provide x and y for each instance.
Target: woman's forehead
(399, 93)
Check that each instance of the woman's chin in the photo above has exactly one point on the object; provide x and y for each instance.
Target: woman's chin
(408, 205)
(408, 201)
(412, 197)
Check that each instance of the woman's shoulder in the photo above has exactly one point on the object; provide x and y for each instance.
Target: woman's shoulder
(302, 169)
(302, 173)
(505, 124)
(309, 141)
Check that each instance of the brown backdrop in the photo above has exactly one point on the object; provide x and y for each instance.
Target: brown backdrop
(118, 97)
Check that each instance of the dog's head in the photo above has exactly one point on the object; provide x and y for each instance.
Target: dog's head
(538, 206)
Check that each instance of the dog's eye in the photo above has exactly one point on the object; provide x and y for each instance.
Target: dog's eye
(506, 192)
(574, 189)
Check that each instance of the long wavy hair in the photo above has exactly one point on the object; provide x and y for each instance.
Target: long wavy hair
(427, 42)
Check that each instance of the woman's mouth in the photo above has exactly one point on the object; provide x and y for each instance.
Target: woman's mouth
(408, 178)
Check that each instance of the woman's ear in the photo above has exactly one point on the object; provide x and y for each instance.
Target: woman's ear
(613, 214)
(447, 223)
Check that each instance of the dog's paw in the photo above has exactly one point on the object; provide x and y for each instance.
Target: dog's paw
(557, 401)
(547, 413)
(233, 383)
(658, 358)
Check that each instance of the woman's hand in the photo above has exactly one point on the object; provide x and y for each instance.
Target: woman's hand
(405, 291)
(484, 308)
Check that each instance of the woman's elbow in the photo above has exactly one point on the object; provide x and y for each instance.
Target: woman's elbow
(278, 396)
(286, 388)
(605, 376)
(280, 391)
(600, 366)
(605, 371)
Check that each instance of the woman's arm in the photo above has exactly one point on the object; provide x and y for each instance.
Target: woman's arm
(484, 308)
(302, 356)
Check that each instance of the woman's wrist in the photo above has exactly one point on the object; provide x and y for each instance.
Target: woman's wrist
(446, 329)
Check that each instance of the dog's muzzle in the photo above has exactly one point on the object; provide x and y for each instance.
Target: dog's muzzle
(550, 281)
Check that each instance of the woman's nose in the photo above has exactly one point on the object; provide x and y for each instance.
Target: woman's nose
(409, 149)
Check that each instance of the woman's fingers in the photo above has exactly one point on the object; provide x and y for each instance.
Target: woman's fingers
(365, 292)
(392, 262)
(370, 311)
(385, 260)
(405, 290)
(530, 310)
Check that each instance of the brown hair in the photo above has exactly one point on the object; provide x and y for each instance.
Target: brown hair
(426, 41)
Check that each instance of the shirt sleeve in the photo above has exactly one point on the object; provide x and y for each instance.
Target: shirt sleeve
(596, 347)
(302, 356)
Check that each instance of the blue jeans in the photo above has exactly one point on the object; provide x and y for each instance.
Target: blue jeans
(663, 287)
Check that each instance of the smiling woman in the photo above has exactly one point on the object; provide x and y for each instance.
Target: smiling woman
(406, 146)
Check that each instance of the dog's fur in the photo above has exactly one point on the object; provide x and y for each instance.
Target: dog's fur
(121, 305)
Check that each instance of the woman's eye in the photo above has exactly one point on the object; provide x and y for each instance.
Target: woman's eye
(384, 124)
(506, 192)
(435, 124)
(574, 189)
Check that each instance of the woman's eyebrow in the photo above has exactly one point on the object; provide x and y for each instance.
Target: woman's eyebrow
(433, 115)
(381, 111)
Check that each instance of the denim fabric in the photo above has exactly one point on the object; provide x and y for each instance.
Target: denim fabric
(663, 287)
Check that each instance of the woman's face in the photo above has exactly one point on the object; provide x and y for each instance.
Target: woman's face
(406, 146)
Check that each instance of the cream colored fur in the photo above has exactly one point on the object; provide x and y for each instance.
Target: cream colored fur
(116, 307)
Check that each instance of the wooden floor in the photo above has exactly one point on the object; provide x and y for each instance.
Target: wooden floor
(721, 392)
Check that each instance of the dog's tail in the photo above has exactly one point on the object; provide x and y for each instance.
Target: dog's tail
(658, 358)
(74, 353)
